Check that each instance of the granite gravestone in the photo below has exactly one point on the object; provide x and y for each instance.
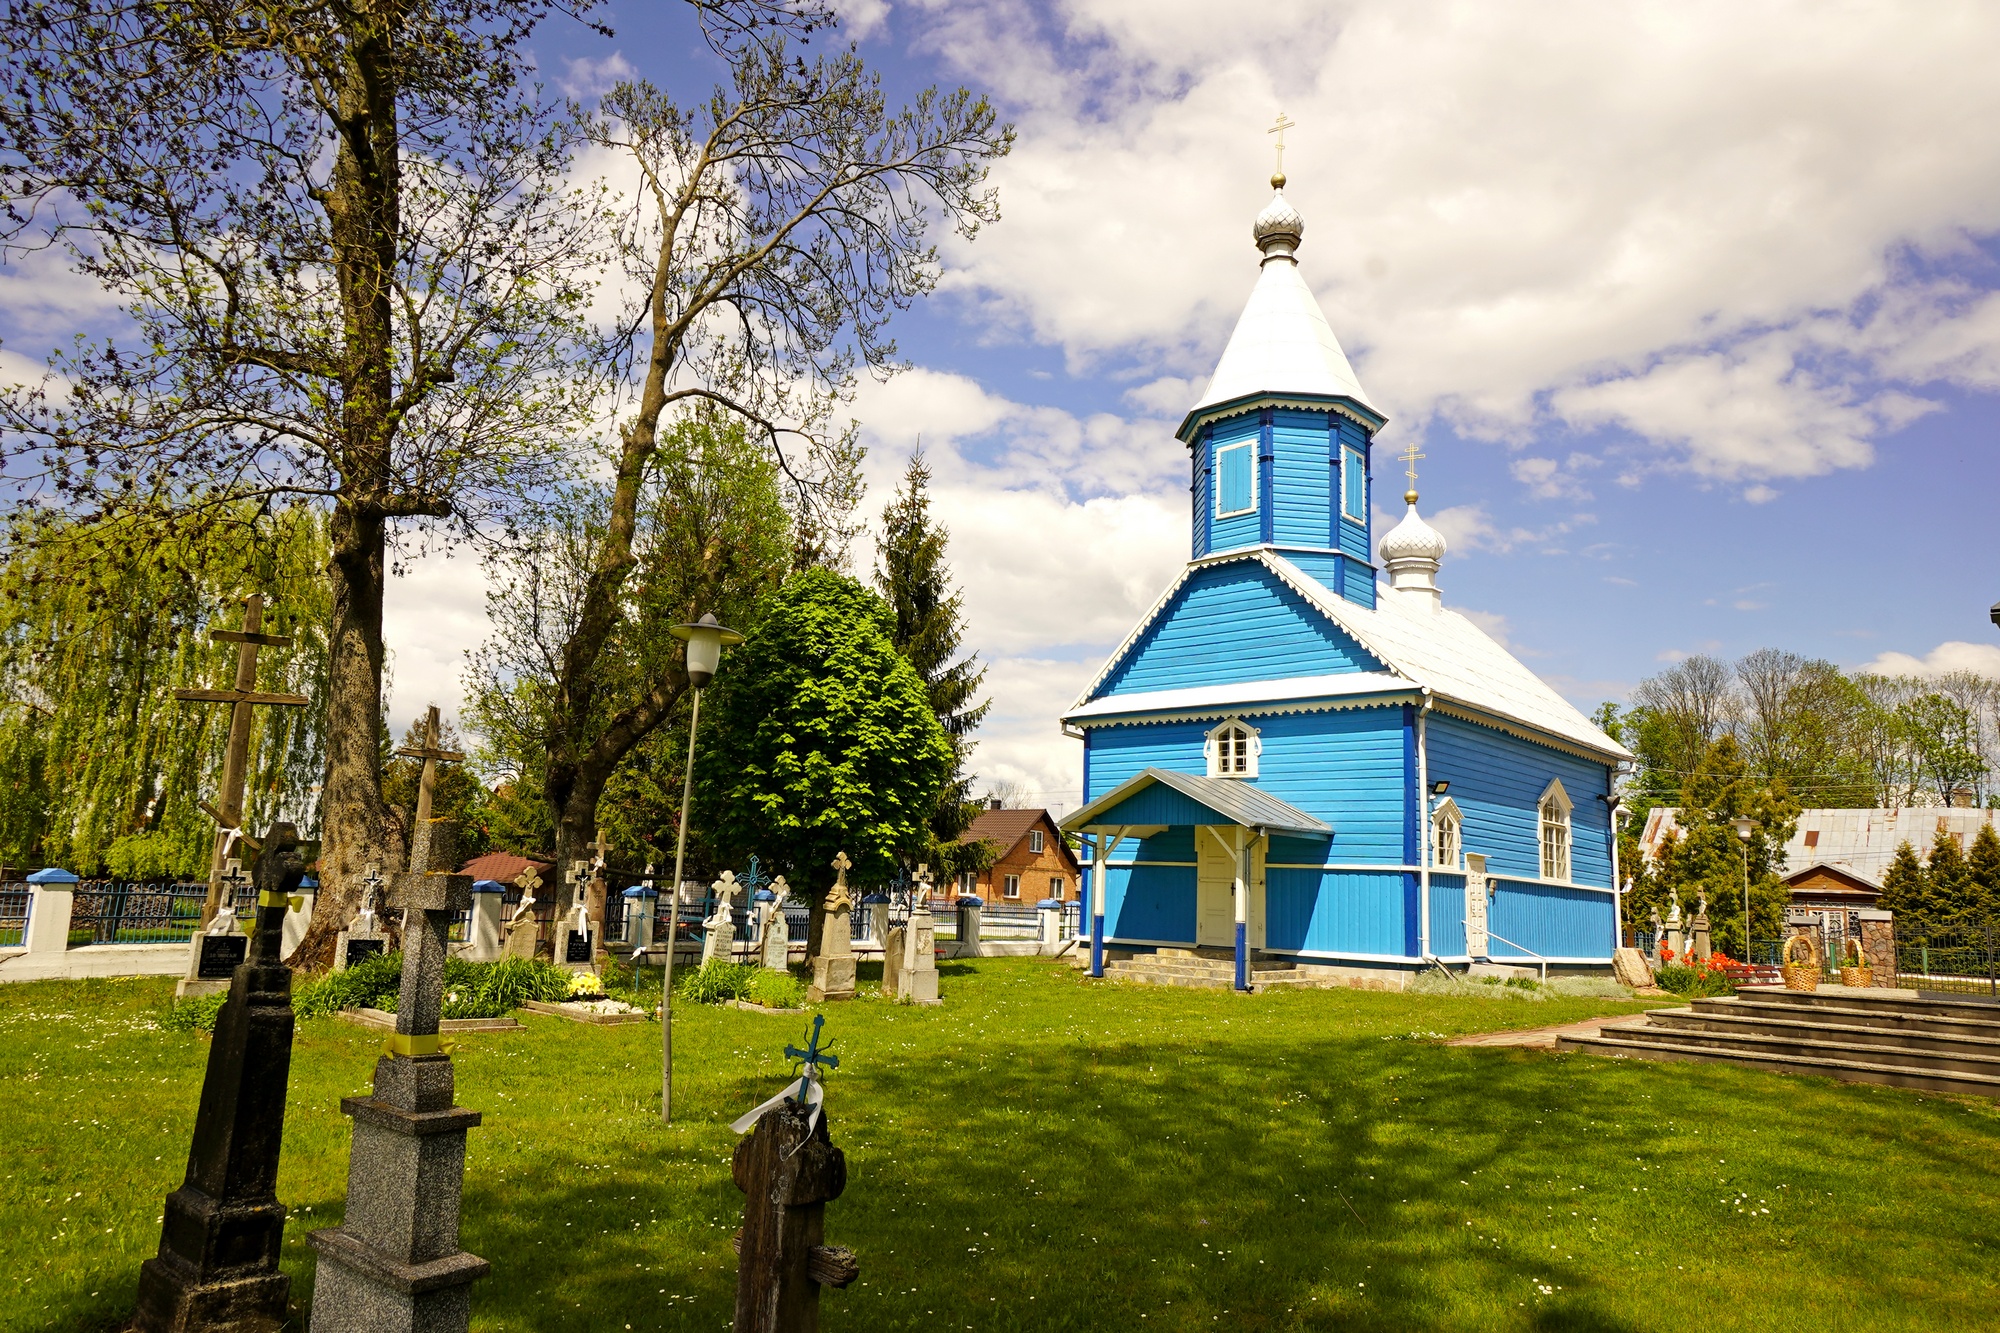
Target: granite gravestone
(394, 1265)
(362, 938)
(1699, 930)
(217, 1266)
(833, 965)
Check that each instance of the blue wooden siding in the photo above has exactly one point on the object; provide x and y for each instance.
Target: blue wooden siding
(1149, 902)
(1266, 511)
(1340, 574)
(1344, 767)
(1227, 534)
(1299, 490)
(1336, 911)
(1200, 491)
(1202, 638)
(1554, 922)
(1447, 914)
(1497, 780)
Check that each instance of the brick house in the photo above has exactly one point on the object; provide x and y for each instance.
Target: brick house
(1034, 863)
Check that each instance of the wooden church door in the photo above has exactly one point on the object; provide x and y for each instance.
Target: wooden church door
(1215, 885)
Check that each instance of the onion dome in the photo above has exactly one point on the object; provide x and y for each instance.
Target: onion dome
(1411, 554)
(1279, 228)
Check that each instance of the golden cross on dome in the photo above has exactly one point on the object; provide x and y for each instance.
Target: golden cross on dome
(1410, 457)
(1278, 178)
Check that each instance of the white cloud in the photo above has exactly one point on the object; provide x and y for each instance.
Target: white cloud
(585, 77)
(861, 19)
(1682, 221)
(1956, 655)
(431, 616)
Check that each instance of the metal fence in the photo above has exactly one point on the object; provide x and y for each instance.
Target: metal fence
(14, 899)
(1956, 959)
(105, 911)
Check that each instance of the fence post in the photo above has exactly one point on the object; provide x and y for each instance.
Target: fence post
(1991, 989)
(54, 898)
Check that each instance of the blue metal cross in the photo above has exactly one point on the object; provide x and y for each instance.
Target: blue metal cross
(753, 879)
(809, 1060)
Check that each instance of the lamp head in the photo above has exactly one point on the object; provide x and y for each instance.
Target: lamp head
(705, 639)
(1994, 614)
(1440, 788)
(1744, 828)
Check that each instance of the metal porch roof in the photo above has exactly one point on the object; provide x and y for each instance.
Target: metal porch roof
(1235, 800)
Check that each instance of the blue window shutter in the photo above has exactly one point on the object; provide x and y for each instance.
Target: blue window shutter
(1354, 481)
(1233, 478)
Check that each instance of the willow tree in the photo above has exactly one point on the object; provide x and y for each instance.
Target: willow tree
(352, 271)
(777, 225)
(107, 768)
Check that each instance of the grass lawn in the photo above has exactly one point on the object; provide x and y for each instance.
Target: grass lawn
(1049, 1153)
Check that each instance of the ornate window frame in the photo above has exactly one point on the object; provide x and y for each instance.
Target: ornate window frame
(1230, 755)
(1552, 816)
(1447, 852)
(1250, 452)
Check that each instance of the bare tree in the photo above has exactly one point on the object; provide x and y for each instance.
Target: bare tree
(355, 275)
(777, 225)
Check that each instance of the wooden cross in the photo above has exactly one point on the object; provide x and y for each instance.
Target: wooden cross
(1279, 130)
(236, 760)
(432, 757)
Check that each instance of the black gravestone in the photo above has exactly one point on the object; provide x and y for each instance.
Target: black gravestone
(578, 948)
(221, 955)
(360, 951)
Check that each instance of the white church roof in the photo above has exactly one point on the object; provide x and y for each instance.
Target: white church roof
(1419, 642)
(1282, 345)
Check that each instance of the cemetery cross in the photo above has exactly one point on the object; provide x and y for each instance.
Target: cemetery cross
(220, 1233)
(432, 757)
(236, 759)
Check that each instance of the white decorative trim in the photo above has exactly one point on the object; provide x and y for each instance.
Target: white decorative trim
(1553, 794)
(1520, 731)
(1247, 710)
(1447, 809)
(1349, 454)
(1133, 865)
(1218, 412)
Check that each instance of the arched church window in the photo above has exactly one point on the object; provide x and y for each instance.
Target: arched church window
(1555, 832)
(1447, 834)
(1232, 750)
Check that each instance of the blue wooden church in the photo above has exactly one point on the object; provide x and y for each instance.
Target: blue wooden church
(1301, 755)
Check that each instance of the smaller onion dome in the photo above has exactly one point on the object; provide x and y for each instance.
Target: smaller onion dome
(1279, 228)
(1411, 553)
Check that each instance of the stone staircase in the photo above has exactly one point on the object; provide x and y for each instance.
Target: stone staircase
(1863, 1036)
(1207, 969)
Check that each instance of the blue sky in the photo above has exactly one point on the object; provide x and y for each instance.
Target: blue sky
(1694, 308)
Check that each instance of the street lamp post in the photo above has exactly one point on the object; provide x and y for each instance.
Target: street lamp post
(1744, 828)
(705, 640)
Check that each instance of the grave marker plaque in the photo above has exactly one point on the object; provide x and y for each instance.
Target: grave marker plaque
(360, 951)
(221, 955)
(577, 948)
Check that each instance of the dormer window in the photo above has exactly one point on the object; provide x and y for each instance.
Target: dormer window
(1555, 832)
(1236, 479)
(1232, 750)
(1447, 834)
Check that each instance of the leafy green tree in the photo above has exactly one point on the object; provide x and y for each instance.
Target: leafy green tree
(355, 271)
(779, 223)
(824, 740)
(105, 767)
(1985, 866)
(1711, 858)
(1905, 885)
(1945, 740)
(1949, 894)
(912, 576)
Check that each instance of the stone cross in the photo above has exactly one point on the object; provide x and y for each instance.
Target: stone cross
(432, 757)
(223, 920)
(394, 1265)
(236, 759)
(523, 931)
(217, 1265)
(775, 937)
(720, 929)
(833, 965)
(917, 978)
(599, 848)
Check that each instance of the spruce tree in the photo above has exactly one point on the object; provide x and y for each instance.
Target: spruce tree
(1949, 879)
(914, 579)
(1985, 864)
(1905, 885)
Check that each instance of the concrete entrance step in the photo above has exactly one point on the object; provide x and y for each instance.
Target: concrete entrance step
(1907, 1004)
(1617, 1041)
(1768, 1021)
(1815, 1044)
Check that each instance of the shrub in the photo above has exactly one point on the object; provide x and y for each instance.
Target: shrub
(196, 1014)
(715, 981)
(776, 990)
(471, 990)
(371, 984)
